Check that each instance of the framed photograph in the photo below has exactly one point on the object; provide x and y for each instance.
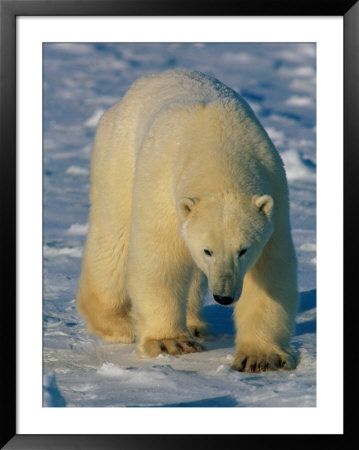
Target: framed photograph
(63, 65)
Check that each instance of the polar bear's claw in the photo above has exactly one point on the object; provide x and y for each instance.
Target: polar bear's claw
(262, 363)
(171, 346)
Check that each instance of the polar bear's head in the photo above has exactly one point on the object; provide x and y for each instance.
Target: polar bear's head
(225, 238)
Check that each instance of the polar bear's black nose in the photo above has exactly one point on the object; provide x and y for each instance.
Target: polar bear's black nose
(223, 300)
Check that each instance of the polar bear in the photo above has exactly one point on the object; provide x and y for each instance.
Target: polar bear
(188, 192)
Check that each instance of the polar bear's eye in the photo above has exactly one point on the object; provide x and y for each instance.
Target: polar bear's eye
(207, 252)
(242, 252)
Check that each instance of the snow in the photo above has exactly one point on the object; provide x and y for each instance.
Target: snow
(80, 82)
(78, 228)
(76, 170)
(51, 394)
(93, 121)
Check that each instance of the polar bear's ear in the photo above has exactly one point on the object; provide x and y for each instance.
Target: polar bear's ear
(185, 206)
(264, 203)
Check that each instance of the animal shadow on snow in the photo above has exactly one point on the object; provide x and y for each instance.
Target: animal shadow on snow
(224, 401)
(308, 301)
(220, 320)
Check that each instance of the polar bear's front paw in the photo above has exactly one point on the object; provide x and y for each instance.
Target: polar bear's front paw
(171, 346)
(262, 362)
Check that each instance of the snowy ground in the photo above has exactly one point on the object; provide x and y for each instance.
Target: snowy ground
(80, 82)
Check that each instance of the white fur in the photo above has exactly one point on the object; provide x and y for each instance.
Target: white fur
(180, 165)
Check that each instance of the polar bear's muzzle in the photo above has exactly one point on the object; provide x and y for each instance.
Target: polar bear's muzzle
(223, 300)
(226, 288)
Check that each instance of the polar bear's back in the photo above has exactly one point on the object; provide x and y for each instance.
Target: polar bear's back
(133, 116)
(180, 85)
(125, 127)
(154, 93)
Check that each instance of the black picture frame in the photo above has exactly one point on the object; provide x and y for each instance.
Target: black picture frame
(9, 10)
